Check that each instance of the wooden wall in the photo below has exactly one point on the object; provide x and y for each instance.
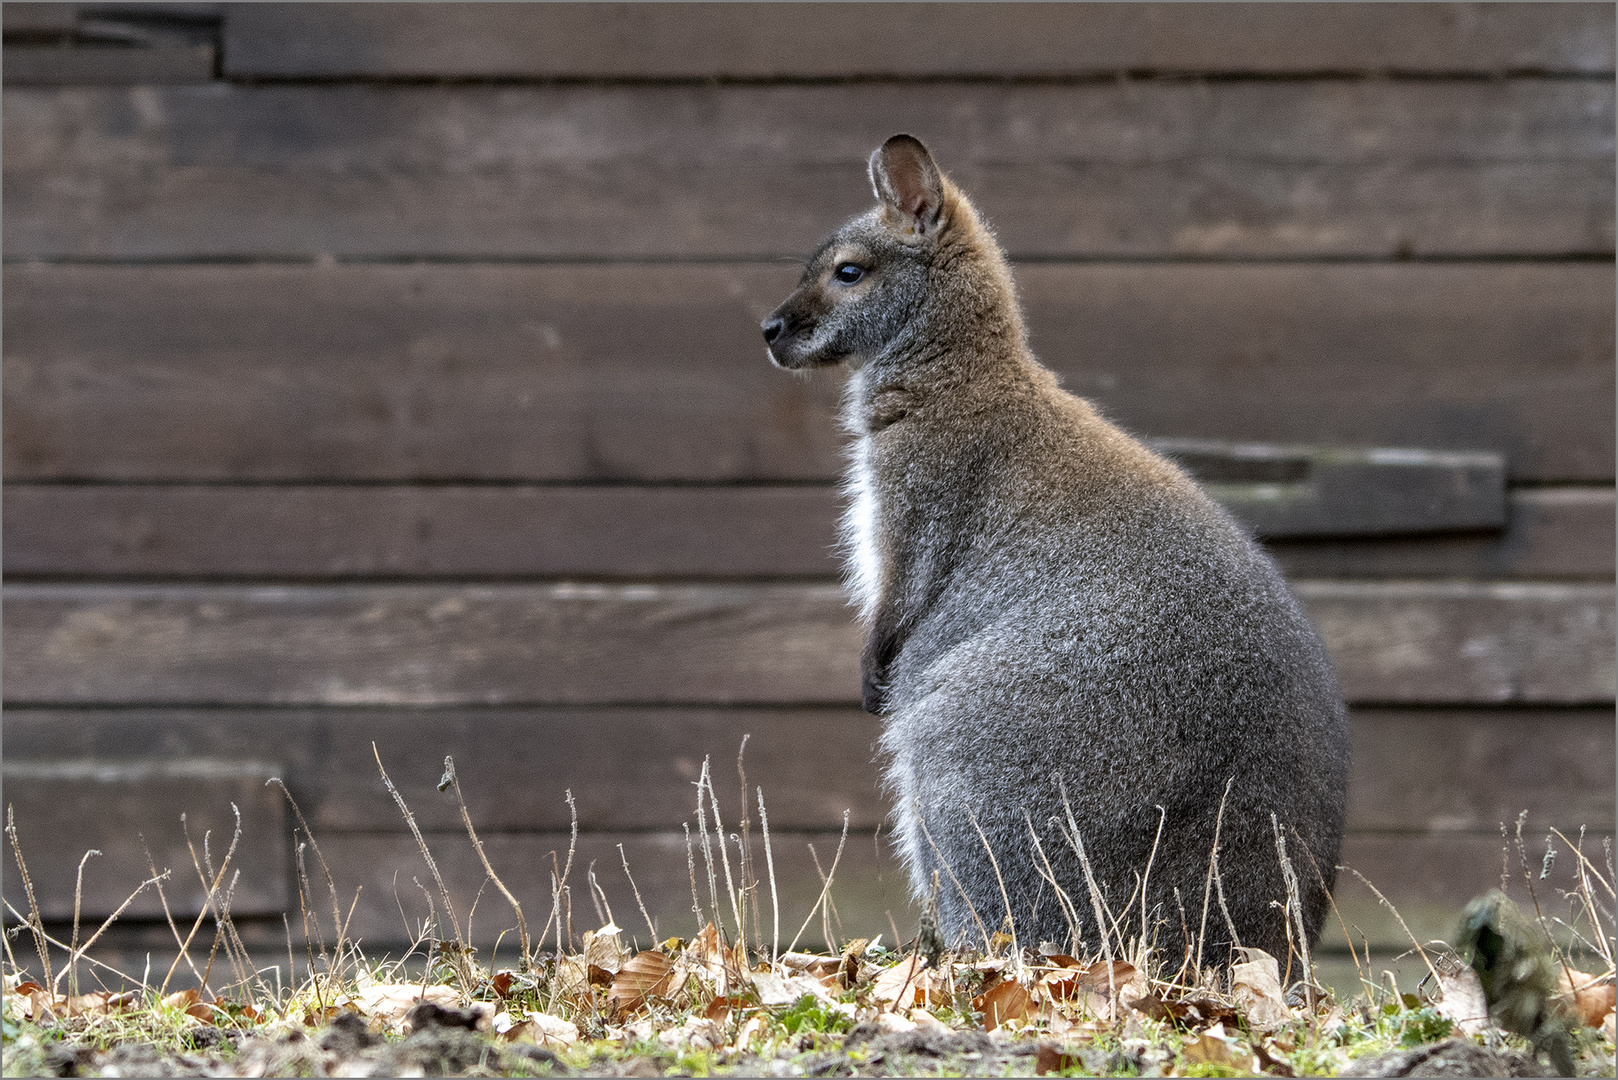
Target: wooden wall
(391, 373)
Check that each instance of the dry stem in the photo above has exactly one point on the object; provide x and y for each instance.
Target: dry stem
(466, 819)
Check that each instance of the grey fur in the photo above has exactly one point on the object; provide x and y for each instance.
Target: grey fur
(1050, 604)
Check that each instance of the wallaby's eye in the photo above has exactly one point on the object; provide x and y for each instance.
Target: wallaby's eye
(848, 273)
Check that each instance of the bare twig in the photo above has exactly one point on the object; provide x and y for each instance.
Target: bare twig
(638, 901)
(769, 860)
(749, 875)
(1213, 864)
(331, 882)
(707, 850)
(691, 867)
(1295, 902)
(79, 953)
(1146, 876)
(1320, 877)
(1097, 902)
(988, 945)
(73, 951)
(35, 924)
(1389, 905)
(825, 885)
(1011, 921)
(92, 961)
(168, 915)
(462, 971)
(466, 819)
(1063, 900)
(724, 852)
(598, 896)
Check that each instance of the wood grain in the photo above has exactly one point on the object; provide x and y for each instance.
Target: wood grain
(1428, 878)
(51, 65)
(1246, 168)
(656, 372)
(1450, 642)
(1550, 533)
(412, 645)
(65, 806)
(1447, 770)
(514, 41)
(632, 769)
(459, 531)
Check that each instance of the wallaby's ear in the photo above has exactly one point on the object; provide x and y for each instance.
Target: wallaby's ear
(905, 178)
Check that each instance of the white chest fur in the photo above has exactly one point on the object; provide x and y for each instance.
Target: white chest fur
(864, 565)
(861, 553)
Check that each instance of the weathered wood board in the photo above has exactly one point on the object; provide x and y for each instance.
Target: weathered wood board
(1366, 168)
(1428, 878)
(131, 810)
(633, 768)
(1393, 642)
(657, 372)
(744, 41)
(484, 532)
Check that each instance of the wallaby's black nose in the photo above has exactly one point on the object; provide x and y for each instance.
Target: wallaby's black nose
(772, 329)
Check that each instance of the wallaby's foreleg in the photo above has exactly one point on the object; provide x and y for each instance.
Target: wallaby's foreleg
(881, 646)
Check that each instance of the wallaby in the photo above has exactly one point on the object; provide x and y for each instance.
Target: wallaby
(1070, 645)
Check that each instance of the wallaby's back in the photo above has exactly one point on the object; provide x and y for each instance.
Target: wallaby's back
(1070, 644)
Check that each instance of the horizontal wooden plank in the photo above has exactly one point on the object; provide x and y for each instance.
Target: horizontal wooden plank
(1461, 642)
(49, 65)
(1429, 879)
(357, 531)
(410, 645)
(655, 372)
(1550, 533)
(1262, 168)
(1393, 642)
(629, 769)
(126, 808)
(1447, 770)
(745, 40)
(38, 18)
(868, 885)
(633, 768)
(362, 531)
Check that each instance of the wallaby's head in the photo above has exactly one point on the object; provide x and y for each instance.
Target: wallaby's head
(874, 278)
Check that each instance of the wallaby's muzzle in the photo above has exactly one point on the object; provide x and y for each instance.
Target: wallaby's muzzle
(787, 332)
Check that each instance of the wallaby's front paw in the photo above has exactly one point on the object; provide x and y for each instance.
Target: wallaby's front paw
(872, 696)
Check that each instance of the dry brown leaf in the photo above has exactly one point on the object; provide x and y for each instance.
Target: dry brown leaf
(1269, 1063)
(1210, 1049)
(1002, 1003)
(541, 1028)
(604, 949)
(849, 972)
(1463, 1003)
(387, 1003)
(719, 1010)
(901, 983)
(777, 991)
(571, 980)
(715, 963)
(809, 964)
(501, 984)
(1256, 989)
(645, 975)
(695, 1034)
(1052, 1061)
(1126, 979)
(1593, 998)
(100, 1002)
